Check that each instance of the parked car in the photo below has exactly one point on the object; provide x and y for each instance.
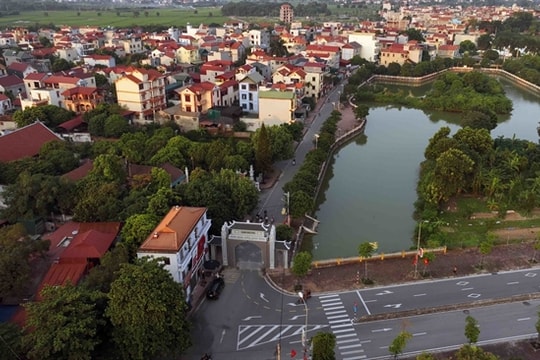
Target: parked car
(215, 288)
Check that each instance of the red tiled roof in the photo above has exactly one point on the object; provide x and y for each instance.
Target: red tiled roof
(60, 273)
(18, 66)
(25, 142)
(35, 76)
(57, 79)
(88, 245)
(10, 80)
(73, 123)
(80, 172)
(80, 90)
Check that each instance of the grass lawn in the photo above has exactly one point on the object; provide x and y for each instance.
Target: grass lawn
(470, 224)
(167, 17)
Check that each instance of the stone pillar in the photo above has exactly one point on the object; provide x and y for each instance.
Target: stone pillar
(272, 247)
(224, 236)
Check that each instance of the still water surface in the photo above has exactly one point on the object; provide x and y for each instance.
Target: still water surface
(369, 189)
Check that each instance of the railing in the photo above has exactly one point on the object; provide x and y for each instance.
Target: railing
(382, 256)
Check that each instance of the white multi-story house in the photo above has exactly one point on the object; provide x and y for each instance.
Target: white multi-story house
(180, 241)
(370, 44)
(259, 38)
(314, 85)
(275, 108)
(249, 91)
(5, 104)
(142, 91)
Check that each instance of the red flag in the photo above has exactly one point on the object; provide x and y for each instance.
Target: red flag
(293, 353)
(415, 260)
(426, 261)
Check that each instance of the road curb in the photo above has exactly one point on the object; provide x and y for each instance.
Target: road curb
(447, 308)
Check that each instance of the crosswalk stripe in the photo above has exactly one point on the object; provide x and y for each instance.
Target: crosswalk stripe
(355, 358)
(350, 346)
(352, 352)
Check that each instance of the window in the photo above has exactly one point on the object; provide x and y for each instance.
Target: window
(244, 97)
(141, 86)
(188, 98)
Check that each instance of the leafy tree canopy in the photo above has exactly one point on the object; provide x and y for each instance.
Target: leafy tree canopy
(148, 311)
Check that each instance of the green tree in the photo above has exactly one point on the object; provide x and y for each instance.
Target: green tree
(324, 344)
(148, 311)
(365, 250)
(63, 324)
(263, 151)
(136, 229)
(472, 330)
(284, 232)
(301, 203)
(29, 116)
(16, 252)
(394, 69)
(60, 64)
(11, 344)
(102, 276)
(301, 264)
(115, 125)
(361, 111)
(399, 343)
(469, 352)
(479, 120)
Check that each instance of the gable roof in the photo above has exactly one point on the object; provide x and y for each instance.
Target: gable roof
(90, 244)
(173, 230)
(25, 142)
(11, 80)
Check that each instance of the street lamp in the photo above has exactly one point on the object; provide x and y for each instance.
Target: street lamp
(418, 247)
(304, 330)
(316, 136)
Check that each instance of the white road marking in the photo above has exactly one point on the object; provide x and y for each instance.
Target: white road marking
(419, 334)
(420, 295)
(512, 283)
(524, 319)
(381, 330)
(363, 302)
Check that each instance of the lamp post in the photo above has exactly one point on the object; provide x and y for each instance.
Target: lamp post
(304, 330)
(316, 136)
(418, 247)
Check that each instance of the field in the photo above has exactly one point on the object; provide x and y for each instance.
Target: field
(179, 17)
(117, 18)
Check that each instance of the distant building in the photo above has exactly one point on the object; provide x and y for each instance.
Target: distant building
(286, 13)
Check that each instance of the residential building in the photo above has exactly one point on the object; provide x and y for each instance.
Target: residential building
(286, 13)
(350, 50)
(180, 242)
(275, 108)
(402, 53)
(330, 54)
(21, 70)
(259, 38)
(370, 45)
(11, 84)
(196, 98)
(102, 60)
(448, 51)
(5, 104)
(82, 99)
(188, 54)
(249, 91)
(132, 45)
(314, 84)
(141, 91)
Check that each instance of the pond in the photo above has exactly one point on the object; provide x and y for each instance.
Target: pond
(368, 192)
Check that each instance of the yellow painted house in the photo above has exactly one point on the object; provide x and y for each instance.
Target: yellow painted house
(196, 97)
(188, 54)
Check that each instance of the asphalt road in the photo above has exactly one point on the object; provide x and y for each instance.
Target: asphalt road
(251, 317)
(273, 200)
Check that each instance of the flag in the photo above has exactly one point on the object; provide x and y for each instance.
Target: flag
(415, 260)
(426, 261)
